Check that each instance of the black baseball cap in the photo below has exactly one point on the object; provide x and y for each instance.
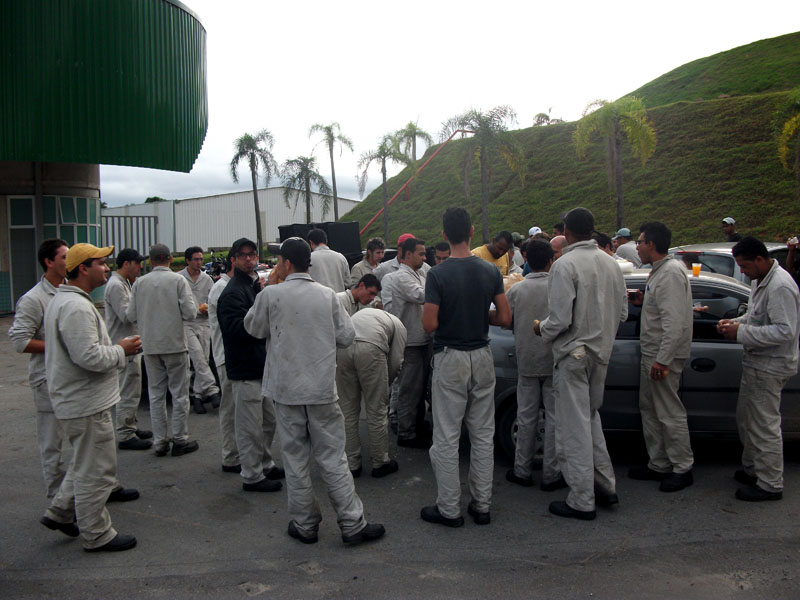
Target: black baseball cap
(239, 244)
(294, 249)
(129, 254)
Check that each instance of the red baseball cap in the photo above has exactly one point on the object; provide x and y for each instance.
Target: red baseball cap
(404, 237)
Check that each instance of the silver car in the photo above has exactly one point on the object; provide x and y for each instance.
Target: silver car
(717, 258)
(710, 379)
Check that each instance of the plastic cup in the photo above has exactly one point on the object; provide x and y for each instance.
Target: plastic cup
(696, 269)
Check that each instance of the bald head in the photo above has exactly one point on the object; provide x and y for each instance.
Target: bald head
(558, 243)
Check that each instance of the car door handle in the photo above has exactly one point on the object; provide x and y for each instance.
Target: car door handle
(703, 365)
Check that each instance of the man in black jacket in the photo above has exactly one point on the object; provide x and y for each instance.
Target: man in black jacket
(244, 361)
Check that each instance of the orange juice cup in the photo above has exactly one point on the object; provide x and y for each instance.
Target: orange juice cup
(696, 269)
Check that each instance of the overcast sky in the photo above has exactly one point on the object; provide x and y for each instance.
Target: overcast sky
(375, 66)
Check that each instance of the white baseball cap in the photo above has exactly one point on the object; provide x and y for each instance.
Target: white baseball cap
(534, 230)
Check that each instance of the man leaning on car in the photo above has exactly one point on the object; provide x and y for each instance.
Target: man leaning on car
(768, 332)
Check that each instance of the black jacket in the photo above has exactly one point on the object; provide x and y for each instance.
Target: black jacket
(244, 355)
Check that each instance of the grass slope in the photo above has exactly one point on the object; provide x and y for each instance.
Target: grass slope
(713, 159)
(770, 65)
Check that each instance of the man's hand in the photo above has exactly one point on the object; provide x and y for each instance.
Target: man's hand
(728, 329)
(203, 309)
(658, 371)
(636, 298)
(131, 345)
(273, 278)
(536, 328)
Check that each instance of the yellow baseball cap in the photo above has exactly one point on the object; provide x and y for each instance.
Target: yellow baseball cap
(82, 252)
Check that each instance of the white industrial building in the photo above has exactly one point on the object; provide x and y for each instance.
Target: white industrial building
(210, 221)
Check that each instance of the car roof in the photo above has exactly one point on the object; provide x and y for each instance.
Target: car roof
(704, 277)
(719, 247)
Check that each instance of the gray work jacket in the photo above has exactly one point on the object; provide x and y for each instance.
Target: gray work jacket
(303, 323)
(769, 329)
(628, 252)
(329, 268)
(407, 300)
(29, 325)
(217, 345)
(528, 301)
(667, 317)
(200, 290)
(117, 296)
(358, 271)
(350, 305)
(160, 302)
(82, 365)
(384, 330)
(587, 300)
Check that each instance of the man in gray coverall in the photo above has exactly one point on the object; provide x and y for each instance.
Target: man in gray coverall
(768, 332)
(304, 324)
(588, 301)
(666, 341)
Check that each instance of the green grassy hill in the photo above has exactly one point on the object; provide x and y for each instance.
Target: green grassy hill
(713, 159)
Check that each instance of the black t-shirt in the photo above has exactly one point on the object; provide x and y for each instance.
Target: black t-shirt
(463, 288)
(735, 237)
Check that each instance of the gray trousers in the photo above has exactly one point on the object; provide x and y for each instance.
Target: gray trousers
(580, 445)
(91, 477)
(130, 393)
(362, 372)
(198, 340)
(54, 449)
(317, 430)
(168, 371)
(227, 420)
(666, 433)
(533, 393)
(463, 392)
(758, 417)
(255, 428)
(411, 394)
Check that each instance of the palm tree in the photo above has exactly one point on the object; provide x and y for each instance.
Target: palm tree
(331, 134)
(490, 136)
(255, 149)
(611, 120)
(407, 139)
(300, 175)
(788, 131)
(387, 151)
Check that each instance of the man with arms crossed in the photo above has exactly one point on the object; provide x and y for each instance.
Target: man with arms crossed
(666, 341)
(768, 332)
(588, 301)
(458, 294)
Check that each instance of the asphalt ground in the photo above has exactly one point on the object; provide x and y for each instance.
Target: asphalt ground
(201, 536)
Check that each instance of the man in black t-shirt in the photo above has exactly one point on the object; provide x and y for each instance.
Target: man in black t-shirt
(458, 294)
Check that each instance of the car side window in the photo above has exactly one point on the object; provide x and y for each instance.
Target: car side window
(717, 263)
(630, 328)
(711, 304)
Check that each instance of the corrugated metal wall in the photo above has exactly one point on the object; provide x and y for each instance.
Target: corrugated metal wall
(102, 82)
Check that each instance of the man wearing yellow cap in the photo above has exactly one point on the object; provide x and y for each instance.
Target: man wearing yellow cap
(82, 369)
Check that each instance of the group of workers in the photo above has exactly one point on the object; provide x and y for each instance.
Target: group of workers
(297, 353)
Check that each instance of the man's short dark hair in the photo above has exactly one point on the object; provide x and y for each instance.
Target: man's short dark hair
(659, 234)
(559, 226)
(410, 245)
(580, 221)
(375, 243)
(748, 248)
(48, 250)
(72, 275)
(539, 254)
(442, 247)
(603, 240)
(159, 254)
(456, 224)
(369, 280)
(523, 249)
(317, 237)
(128, 255)
(191, 250)
(504, 235)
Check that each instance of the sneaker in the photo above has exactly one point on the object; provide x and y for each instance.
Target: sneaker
(645, 473)
(197, 405)
(480, 518)
(431, 514)
(558, 484)
(386, 469)
(144, 434)
(70, 529)
(676, 482)
(231, 468)
(742, 477)
(265, 485)
(162, 450)
(514, 478)
(753, 493)
(179, 449)
(295, 533)
(123, 495)
(371, 532)
(135, 443)
(275, 473)
(562, 509)
(215, 400)
(119, 543)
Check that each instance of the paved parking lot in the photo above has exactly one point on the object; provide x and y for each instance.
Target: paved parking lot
(200, 536)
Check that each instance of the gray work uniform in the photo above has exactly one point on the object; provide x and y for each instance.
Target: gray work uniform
(364, 370)
(408, 298)
(329, 268)
(349, 304)
(588, 301)
(198, 337)
(117, 296)
(628, 252)
(666, 338)
(160, 302)
(528, 301)
(29, 325)
(82, 374)
(768, 332)
(304, 325)
(227, 428)
(360, 269)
